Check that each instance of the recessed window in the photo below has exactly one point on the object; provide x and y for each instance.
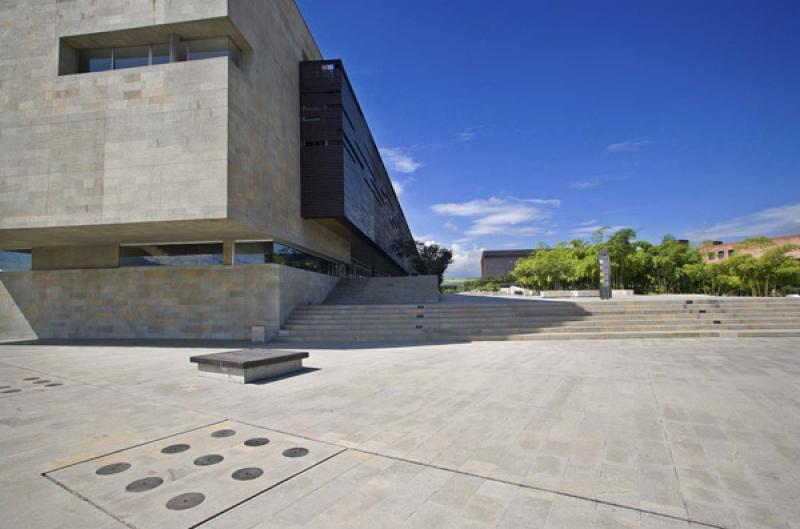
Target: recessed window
(208, 49)
(131, 57)
(97, 60)
(195, 254)
(159, 53)
(248, 253)
(118, 58)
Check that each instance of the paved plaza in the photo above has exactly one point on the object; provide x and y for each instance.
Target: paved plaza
(652, 434)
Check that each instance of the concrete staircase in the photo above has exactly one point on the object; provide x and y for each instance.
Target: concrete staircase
(497, 319)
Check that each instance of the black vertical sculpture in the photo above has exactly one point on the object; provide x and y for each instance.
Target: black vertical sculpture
(604, 275)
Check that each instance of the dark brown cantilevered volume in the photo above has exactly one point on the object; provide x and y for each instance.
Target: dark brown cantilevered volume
(344, 182)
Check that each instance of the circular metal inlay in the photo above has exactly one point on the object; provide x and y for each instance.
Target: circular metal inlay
(257, 441)
(223, 433)
(246, 474)
(113, 468)
(211, 459)
(175, 449)
(53, 385)
(295, 452)
(144, 484)
(185, 501)
(30, 378)
(12, 391)
(41, 382)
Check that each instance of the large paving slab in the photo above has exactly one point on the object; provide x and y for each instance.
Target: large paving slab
(639, 433)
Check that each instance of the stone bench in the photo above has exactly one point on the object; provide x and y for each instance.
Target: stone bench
(249, 365)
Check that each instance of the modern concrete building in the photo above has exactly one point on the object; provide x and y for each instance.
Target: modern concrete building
(150, 150)
(496, 263)
(717, 251)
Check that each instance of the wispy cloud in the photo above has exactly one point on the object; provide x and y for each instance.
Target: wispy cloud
(505, 216)
(585, 184)
(628, 145)
(450, 225)
(782, 220)
(400, 160)
(589, 230)
(588, 222)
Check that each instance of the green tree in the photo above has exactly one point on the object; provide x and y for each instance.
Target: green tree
(432, 259)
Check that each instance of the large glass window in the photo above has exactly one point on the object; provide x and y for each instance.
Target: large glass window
(131, 57)
(98, 60)
(199, 254)
(11, 260)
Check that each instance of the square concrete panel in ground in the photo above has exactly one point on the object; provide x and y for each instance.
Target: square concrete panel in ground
(181, 475)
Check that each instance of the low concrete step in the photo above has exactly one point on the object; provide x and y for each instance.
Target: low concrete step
(421, 338)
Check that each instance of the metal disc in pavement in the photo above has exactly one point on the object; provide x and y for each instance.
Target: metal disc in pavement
(295, 452)
(175, 449)
(223, 433)
(211, 459)
(246, 474)
(113, 468)
(185, 501)
(257, 441)
(144, 484)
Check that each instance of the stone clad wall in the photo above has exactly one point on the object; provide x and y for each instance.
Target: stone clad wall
(264, 127)
(136, 145)
(221, 302)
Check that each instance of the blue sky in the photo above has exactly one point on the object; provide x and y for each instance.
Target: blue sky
(529, 122)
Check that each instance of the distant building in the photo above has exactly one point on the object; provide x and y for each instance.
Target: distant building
(717, 251)
(501, 262)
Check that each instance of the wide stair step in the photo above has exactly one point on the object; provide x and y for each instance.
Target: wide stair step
(541, 320)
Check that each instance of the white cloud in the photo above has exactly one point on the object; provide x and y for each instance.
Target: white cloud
(506, 216)
(588, 222)
(587, 231)
(628, 145)
(783, 220)
(450, 225)
(399, 160)
(585, 184)
(466, 261)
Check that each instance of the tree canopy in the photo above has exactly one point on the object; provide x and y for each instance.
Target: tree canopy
(669, 267)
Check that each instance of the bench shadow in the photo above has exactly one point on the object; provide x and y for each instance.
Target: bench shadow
(299, 372)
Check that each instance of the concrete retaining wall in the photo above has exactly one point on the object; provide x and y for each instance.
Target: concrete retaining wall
(385, 291)
(215, 302)
(581, 293)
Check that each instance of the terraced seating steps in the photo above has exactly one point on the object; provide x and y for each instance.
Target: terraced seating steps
(542, 320)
